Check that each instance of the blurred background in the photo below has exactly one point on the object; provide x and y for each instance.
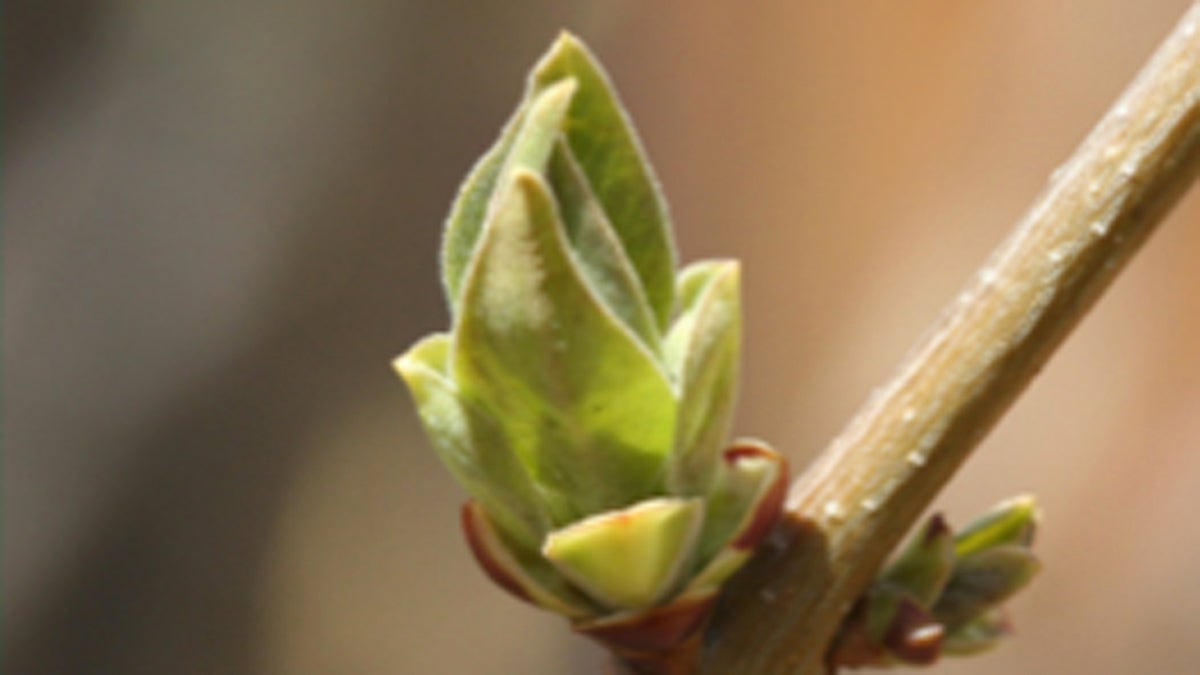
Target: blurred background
(221, 222)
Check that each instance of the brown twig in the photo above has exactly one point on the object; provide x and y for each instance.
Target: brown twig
(848, 511)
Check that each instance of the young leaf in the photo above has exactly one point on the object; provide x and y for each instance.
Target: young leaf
(588, 408)
(597, 249)
(702, 352)
(742, 502)
(1012, 521)
(606, 146)
(628, 558)
(926, 563)
(470, 443)
(470, 209)
(526, 143)
(982, 581)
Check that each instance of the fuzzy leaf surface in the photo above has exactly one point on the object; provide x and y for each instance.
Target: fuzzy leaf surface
(471, 443)
(603, 141)
(702, 351)
(526, 143)
(587, 407)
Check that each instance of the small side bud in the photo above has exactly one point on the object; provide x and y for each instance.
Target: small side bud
(942, 593)
(926, 563)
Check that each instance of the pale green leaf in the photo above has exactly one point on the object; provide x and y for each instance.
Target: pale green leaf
(470, 209)
(629, 558)
(526, 143)
(588, 408)
(1012, 521)
(470, 443)
(607, 148)
(597, 250)
(703, 351)
(983, 580)
(740, 484)
(925, 564)
(543, 125)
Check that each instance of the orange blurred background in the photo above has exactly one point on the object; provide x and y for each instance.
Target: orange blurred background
(221, 222)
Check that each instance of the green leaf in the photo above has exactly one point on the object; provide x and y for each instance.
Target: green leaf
(470, 443)
(1012, 521)
(540, 131)
(983, 580)
(978, 635)
(469, 210)
(597, 249)
(693, 281)
(526, 143)
(926, 563)
(746, 477)
(606, 146)
(702, 352)
(587, 407)
(628, 558)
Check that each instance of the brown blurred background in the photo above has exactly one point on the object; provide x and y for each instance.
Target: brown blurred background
(221, 222)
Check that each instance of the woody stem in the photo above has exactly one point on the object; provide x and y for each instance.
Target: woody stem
(849, 510)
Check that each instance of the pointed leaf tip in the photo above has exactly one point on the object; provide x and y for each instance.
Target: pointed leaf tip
(598, 249)
(926, 563)
(744, 502)
(703, 352)
(525, 143)
(603, 140)
(1013, 521)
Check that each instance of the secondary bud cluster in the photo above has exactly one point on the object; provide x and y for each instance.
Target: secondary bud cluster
(942, 593)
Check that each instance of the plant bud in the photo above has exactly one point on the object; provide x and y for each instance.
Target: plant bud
(584, 393)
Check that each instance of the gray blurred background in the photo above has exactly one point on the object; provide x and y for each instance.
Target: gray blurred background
(221, 221)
